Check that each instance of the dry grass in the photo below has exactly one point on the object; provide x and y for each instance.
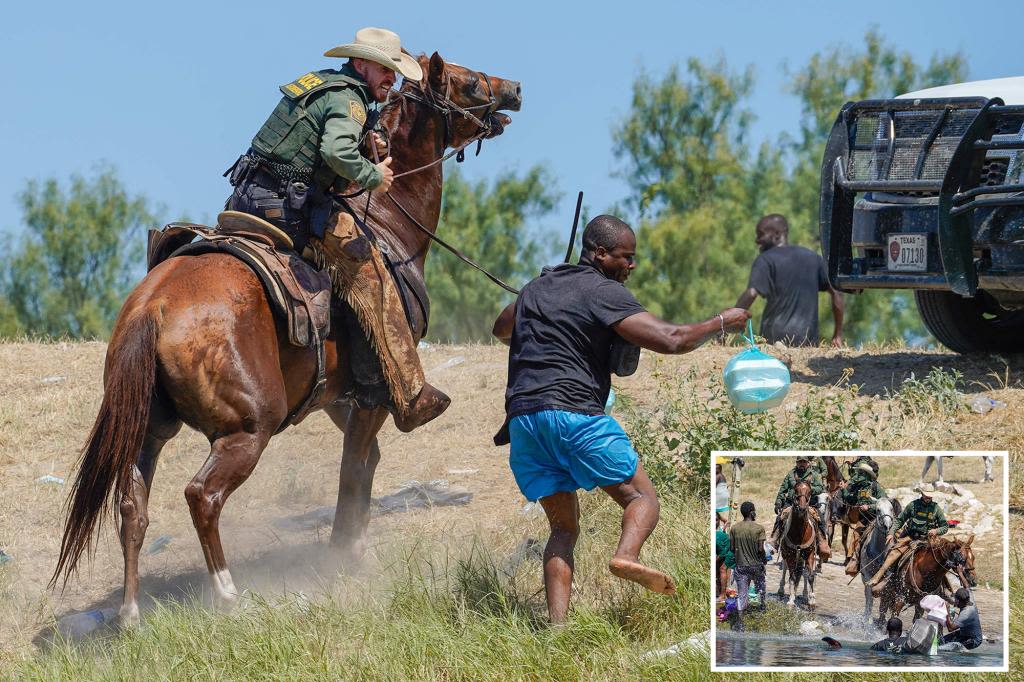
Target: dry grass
(42, 425)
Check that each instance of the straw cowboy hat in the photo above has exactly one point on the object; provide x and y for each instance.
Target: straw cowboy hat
(866, 468)
(922, 491)
(383, 47)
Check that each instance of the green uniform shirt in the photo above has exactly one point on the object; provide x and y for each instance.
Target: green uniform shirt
(920, 518)
(788, 487)
(322, 128)
(746, 539)
(863, 490)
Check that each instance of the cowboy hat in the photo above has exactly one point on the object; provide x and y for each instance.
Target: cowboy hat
(803, 458)
(866, 468)
(924, 493)
(383, 47)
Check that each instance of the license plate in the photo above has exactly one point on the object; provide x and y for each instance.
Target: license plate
(908, 252)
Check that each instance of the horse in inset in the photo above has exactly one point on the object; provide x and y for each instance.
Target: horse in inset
(873, 547)
(197, 343)
(926, 573)
(799, 546)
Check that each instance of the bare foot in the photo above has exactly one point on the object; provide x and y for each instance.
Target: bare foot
(653, 580)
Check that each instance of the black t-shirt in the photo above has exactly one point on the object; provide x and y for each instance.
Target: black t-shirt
(893, 644)
(789, 278)
(559, 355)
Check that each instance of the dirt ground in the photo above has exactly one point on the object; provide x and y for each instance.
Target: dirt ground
(835, 596)
(49, 394)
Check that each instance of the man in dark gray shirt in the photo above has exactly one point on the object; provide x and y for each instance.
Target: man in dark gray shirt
(966, 627)
(789, 278)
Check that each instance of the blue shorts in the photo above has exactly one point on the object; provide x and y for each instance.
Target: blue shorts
(555, 451)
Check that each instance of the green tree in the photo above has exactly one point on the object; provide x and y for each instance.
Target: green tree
(687, 160)
(78, 257)
(828, 80)
(487, 221)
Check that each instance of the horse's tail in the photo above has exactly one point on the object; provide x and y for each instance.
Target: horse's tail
(110, 454)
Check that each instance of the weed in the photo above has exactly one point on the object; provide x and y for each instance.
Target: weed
(675, 442)
(938, 392)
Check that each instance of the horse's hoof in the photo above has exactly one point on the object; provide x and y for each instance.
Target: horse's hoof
(128, 617)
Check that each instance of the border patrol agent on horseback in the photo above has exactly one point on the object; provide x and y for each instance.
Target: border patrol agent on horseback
(922, 519)
(802, 472)
(863, 492)
(309, 146)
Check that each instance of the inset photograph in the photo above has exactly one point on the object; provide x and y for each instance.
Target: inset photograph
(860, 561)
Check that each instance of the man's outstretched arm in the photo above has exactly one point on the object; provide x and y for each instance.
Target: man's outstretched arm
(647, 331)
(503, 326)
(838, 308)
(747, 298)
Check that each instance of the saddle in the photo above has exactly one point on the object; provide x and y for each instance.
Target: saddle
(299, 295)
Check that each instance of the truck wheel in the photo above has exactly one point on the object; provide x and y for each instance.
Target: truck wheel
(971, 325)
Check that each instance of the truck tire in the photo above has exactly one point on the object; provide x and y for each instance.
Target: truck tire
(971, 325)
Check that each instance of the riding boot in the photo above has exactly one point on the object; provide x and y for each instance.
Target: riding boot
(876, 580)
(777, 529)
(852, 567)
(361, 279)
(824, 550)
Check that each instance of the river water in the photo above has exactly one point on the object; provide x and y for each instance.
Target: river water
(772, 650)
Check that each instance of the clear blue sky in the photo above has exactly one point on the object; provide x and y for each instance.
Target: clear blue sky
(171, 93)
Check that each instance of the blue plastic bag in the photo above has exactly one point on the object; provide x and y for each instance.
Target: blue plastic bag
(755, 381)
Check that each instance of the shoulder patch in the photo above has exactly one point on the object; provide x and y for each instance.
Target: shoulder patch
(301, 85)
(356, 111)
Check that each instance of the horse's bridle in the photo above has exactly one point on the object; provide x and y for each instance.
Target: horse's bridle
(487, 127)
(954, 561)
(443, 104)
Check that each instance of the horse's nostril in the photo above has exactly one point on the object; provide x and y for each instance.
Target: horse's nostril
(519, 91)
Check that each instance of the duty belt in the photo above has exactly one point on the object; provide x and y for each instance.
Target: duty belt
(284, 171)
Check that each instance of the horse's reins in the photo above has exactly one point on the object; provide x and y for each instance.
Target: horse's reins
(444, 105)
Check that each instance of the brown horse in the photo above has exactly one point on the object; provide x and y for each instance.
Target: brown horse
(925, 573)
(196, 343)
(799, 551)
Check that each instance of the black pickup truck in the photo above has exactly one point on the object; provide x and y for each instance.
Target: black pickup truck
(926, 192)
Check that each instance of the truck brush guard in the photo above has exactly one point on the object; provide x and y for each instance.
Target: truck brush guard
(940, 148)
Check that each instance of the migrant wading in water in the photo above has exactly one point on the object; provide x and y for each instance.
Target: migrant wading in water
(563, 329)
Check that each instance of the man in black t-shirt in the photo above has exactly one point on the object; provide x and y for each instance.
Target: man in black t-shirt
(894, 640)
(789, 278)
(561, 330)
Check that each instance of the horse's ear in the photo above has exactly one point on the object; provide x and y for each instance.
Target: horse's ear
(970, 539)
(436, 70)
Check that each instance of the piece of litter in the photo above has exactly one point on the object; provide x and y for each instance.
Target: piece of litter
(415, 495)
(532, 509)
(462, 472)
(411, 495)
(699, 642)
(52, 380)
(159, 545)
(449, 363)
(810, 627)
(528, 549)
(422, 344)
(50, 478)
(5, 557)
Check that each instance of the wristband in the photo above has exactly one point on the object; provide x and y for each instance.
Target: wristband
(722, 320)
